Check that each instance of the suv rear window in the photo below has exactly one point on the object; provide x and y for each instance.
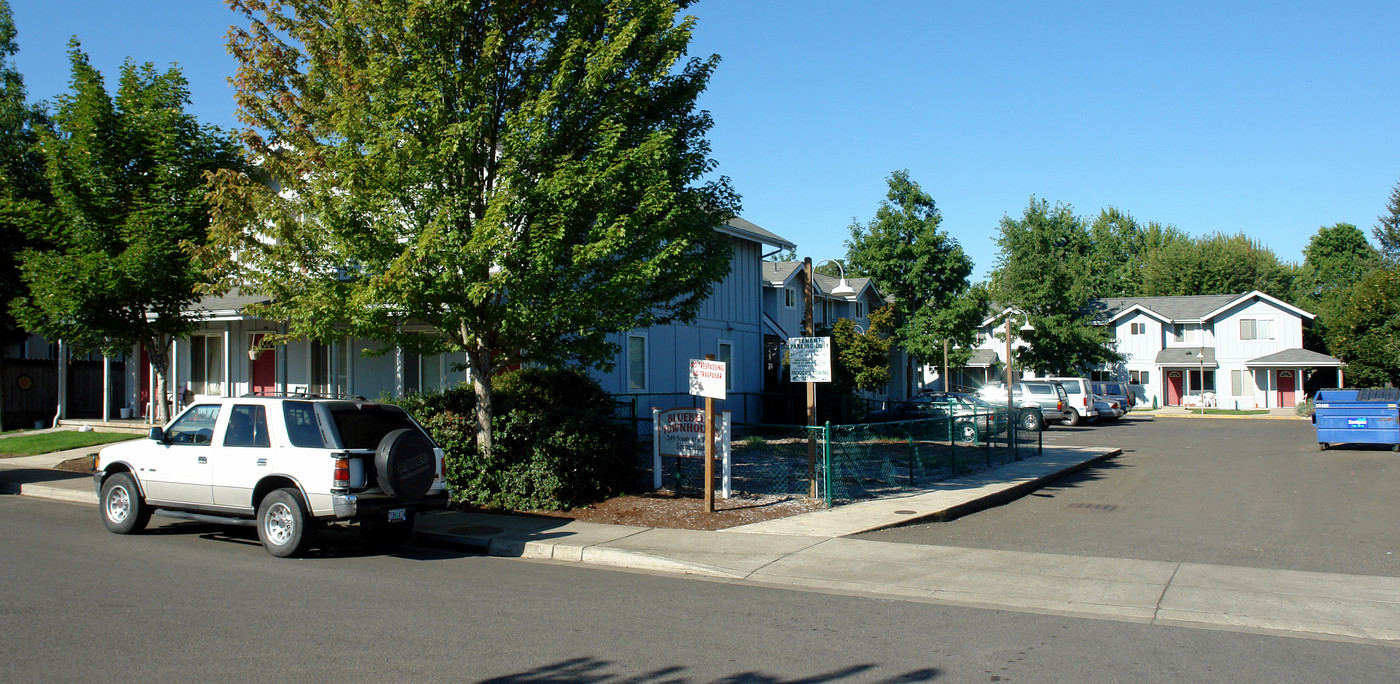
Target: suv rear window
(362, 427)
(1040, 389)
(302, 428)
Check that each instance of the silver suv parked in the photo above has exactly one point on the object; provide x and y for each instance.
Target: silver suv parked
(285, 464)
(1041, 403)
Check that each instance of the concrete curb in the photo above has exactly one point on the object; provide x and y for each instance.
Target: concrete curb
(42, 491)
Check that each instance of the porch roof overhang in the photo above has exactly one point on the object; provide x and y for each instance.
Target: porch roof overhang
(1295, 358)
(1186, 356)
(228, 307)
(982, 358)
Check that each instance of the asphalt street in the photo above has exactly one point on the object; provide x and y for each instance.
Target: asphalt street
(1247, 493)
(193, 602)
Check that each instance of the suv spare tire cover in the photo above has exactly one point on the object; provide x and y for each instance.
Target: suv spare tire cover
(405, 464)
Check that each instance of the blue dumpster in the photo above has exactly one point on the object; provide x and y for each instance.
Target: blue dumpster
(1351, 416)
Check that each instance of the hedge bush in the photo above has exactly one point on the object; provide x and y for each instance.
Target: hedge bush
(556, 445)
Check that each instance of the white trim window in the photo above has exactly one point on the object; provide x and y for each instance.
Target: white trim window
(726, 356)
(207, 364)
(636, 362)
(1237, 383)
(789, 298)
(1137, 328)
(860, 309)
(1256, 329)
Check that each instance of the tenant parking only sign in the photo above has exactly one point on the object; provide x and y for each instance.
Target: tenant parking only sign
(809, 359)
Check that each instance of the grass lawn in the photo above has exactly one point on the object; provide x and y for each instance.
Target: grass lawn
(30, 445)
(1235, 412)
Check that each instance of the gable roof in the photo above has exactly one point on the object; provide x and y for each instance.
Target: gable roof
(1188, 308)
(740, 228)
(781, 273)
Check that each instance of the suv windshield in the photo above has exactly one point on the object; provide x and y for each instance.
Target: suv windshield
(361, 427)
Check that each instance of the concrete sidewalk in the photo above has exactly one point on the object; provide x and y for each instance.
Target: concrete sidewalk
(812, 552)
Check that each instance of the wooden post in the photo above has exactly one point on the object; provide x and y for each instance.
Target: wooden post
(808, 330)
(709, 449)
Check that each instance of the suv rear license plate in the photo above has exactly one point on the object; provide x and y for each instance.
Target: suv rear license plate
(398, 514)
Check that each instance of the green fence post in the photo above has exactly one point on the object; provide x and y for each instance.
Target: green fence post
(913, 454)
(826, 460)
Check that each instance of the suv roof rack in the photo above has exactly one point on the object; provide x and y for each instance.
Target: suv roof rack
(306, 395)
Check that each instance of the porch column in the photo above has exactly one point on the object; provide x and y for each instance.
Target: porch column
(106, 388)
(62, 367)
(228, 362)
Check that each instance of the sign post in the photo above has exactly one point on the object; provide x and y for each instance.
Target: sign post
(809, 359)
(707, 379)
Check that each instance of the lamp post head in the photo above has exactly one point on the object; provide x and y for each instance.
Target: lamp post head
(844, 290)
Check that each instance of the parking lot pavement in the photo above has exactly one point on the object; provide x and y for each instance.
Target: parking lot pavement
(1247, 493)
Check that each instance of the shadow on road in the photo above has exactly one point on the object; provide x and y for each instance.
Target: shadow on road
(598, 670)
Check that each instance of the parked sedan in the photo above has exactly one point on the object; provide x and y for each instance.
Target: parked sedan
(975, 418)
(921, 407)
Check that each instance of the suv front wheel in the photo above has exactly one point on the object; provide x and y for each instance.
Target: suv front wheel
(123, 511)
(283, 523)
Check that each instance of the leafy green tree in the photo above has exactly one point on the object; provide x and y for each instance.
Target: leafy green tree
(1040, 271)
(1387, 230)
(526, 178)
(1335, 259)
(863, 356)
(1115, 255)
(1365, 332)
(1216, 264)
(923, 268)
(23, 189)
(127, 176)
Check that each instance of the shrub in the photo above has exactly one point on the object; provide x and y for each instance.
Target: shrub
(556, 445)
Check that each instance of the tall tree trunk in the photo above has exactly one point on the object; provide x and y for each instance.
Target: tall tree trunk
(159, 353)
(479, 369)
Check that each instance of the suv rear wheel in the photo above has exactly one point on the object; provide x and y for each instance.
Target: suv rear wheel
(282, 523)
(1071, 417)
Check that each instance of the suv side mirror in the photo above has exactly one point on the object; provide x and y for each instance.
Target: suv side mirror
(157, 434)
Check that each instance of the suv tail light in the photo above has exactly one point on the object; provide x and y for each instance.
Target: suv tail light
(342, 472)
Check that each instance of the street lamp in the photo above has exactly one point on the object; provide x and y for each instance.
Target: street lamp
(842, 290)
(1010, 365)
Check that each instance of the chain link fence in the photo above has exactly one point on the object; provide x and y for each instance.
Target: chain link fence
(862, 461)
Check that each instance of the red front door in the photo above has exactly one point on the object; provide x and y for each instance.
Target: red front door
(1174, 389)
(1285, 389)
(264, 369)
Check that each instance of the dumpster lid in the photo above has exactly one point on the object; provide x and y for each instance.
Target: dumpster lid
(1383, 394)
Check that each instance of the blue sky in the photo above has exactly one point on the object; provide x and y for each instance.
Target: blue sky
(1270, 119)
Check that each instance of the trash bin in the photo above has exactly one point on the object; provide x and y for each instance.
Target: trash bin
(1352, 416)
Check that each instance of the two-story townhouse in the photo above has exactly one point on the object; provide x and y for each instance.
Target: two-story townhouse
(654, 364)
(784, 309)
(225, 356)
(1241, 350)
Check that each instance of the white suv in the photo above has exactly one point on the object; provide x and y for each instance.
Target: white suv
(284, 463)
(1082, 403)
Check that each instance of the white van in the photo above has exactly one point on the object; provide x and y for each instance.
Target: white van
(1081, 400)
